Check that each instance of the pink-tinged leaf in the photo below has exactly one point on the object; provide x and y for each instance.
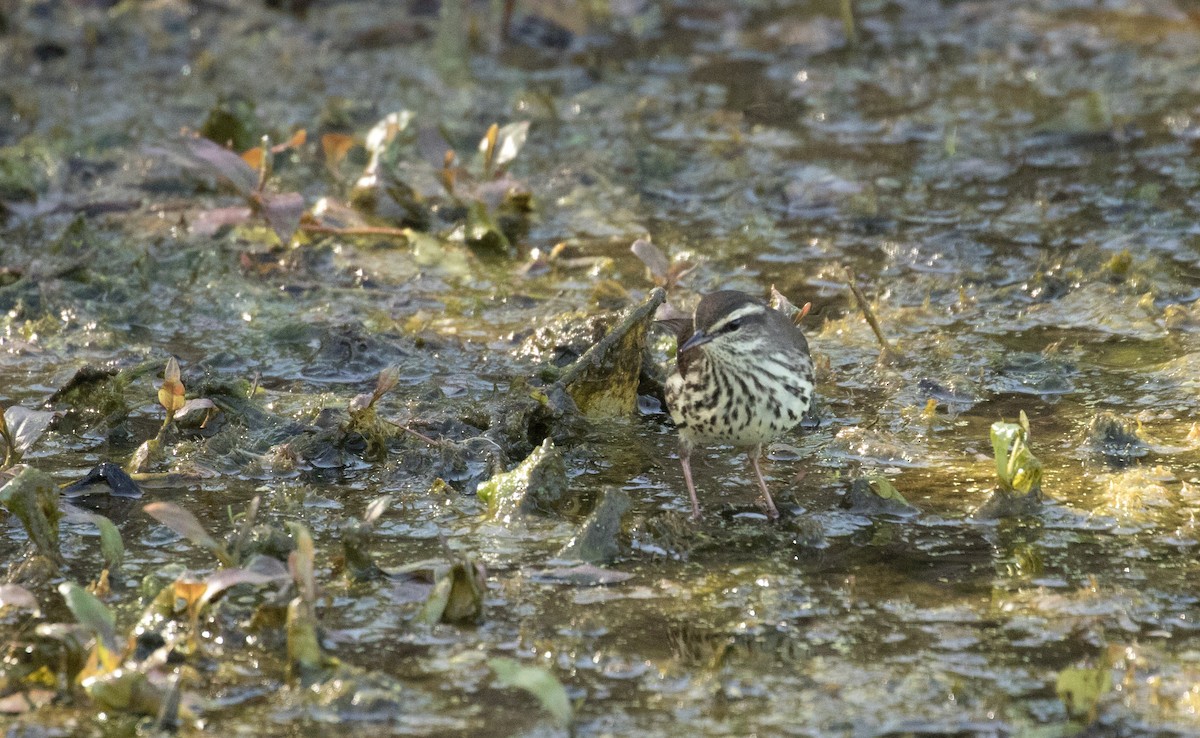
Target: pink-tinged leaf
(509, 142)
(209, 222)
(203, 156)
(361, 402)
(283, 212)
(653, 257)
(21, 702)
(194, 405)
(494, 192)
(377, 507)
(226, 578)
(14, 595)
(185, 524)
(27, 425)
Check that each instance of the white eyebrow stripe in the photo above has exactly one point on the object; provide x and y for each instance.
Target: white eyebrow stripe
(742, 312)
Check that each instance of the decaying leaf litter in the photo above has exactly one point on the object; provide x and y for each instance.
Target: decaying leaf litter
(374, 326)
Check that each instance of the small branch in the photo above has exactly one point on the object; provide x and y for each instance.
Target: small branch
(422, 436)
(887, 353)
(356, 231)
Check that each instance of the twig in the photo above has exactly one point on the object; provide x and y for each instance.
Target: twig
(595, 355)
(888, 352)
(356, 231)
(422, 436)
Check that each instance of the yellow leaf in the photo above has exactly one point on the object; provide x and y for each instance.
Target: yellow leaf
(170, 394)
(254, 157)
(335, 147)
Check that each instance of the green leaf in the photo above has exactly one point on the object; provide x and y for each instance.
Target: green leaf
(886, 490)
(90, 612)
(302, 563)
(483, 233)
(1003, 434)
(111, 545)
(1081, 689)
(435, 604)
(536, 681)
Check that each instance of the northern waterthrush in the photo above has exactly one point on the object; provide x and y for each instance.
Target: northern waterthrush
(743, 377)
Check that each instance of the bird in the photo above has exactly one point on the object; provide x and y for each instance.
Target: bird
(743, 376)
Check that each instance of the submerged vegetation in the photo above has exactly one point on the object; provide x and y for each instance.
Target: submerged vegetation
(333, 338)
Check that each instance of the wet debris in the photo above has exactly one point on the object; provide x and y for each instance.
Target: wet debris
(1114, 438)
(537, 485)
(457, 593)
(597, 540)
(603, 382)
(876, 496)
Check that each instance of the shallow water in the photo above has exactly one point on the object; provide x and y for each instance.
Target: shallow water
(980, 167)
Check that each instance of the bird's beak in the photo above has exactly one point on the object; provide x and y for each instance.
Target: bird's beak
(699, 338)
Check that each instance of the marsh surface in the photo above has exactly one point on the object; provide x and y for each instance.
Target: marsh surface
(1013, 183)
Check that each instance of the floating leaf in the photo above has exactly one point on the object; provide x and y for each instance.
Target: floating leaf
(127, 690)
(537, 681)
(21, 702)
(222, 580)
(377, 507)
(584, 575)
(653, 257)
(209, 222)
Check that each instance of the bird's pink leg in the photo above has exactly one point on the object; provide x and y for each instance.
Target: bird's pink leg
(772, 511)
(685, 458)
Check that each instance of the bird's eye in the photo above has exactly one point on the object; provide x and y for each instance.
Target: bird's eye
(733, 325)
